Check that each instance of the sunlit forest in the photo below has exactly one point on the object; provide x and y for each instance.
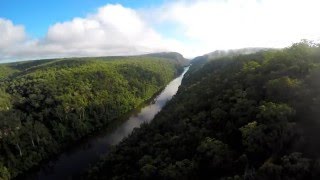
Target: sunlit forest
(48, 105)
(253, 116)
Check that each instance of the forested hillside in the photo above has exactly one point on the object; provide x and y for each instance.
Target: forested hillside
(47, 105)
(178, 58)
(201, 60)
(250, 116)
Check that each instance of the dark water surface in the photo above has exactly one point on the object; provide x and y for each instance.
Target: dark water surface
(78, 158)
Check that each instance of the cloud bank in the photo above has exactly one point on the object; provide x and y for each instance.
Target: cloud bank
(191, 27)
(228, 24)
(112, 30)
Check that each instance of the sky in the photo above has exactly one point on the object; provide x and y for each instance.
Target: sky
(35, 29)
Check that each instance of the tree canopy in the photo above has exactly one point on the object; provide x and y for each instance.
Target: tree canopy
(251, 116)
(46, 105)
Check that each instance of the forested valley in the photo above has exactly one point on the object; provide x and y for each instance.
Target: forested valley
(243, 114)
(47, 105)
(253, 116)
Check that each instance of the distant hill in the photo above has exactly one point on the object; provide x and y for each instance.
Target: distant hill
(173, 56)
(229, 53)
(8, 69)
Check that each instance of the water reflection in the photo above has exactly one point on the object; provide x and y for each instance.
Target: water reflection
(77, 159)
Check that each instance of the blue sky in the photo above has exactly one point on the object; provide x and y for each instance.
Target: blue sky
(38, 15)
(35, 29)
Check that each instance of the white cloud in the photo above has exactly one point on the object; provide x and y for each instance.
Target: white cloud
(112, 30)
(199, 26)
(10, 36)
(226, 24)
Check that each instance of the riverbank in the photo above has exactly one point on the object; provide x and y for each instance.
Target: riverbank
(77, 159)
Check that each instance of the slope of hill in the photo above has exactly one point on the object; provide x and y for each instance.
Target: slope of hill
(242, 117)
(178, 58)
(45, 105)
(225, 53)
(6, 71)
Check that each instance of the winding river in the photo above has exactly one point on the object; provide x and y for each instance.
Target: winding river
(77, 159)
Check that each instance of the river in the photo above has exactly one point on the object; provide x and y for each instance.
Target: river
(78, 158)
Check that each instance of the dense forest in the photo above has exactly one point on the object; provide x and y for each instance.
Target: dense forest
(46, 105)
(253, 116)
